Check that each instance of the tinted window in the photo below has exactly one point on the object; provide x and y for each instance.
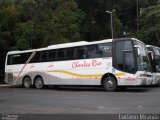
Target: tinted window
(149, 49)
(15, 59)
(70, 53)
(60, 54)
(129, 62)
(43, 56)
(18, 58)
(127, 45)
(124, 56)
(105, 49)
(119, 55)
(36, 58)
(93, 51)
(156, 51)
(81, 52)
(51, 55)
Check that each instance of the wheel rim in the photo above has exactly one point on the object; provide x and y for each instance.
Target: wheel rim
(110, 84)
(27, 82)
(38, 83)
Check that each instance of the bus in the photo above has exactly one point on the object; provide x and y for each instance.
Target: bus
(155, 62)
(110, 63)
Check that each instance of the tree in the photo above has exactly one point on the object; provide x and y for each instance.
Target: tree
(49, 22)
(22, 44)
(97, 25)
(150, 25)
(9, 17)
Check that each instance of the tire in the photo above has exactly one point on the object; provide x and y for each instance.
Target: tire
(27, 82)
(39, 84)
(110, 84)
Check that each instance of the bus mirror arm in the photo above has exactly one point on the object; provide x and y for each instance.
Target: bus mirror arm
(150, 55)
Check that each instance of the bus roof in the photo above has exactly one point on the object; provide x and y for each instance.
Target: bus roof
(67, 44)
(72, 44)
(152, 46)
(64, 45)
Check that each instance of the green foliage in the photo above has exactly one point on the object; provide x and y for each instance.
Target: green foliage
(51, 23)
(39, 23)
(9, 17)
(22, 44)
(150, 25)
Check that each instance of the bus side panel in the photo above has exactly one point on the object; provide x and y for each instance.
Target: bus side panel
(78, 72)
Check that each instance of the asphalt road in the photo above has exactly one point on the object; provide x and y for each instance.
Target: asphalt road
(81, 100)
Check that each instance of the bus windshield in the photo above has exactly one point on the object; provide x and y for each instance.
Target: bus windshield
(142, 59)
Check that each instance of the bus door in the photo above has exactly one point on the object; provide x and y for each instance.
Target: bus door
(124, 61)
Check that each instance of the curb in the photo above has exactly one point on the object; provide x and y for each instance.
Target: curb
(7, 86)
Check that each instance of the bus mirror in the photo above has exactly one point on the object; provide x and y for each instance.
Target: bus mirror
(150, 55)
(138, 49)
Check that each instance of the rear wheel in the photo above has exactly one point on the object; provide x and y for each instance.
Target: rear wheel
(27, 82)
(39, 84)
(110, 84)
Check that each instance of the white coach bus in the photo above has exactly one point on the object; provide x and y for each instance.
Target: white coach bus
(155, 62)
(109, 63)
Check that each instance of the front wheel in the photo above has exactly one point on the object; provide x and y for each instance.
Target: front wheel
(110, 84)
(39, 84)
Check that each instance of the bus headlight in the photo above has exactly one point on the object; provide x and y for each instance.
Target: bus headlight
(145, 75)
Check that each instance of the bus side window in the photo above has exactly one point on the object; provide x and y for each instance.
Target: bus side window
(25, 57)
(124, 56)
(60, 54)
(70, 53)
(129, 62)
(81, 52)
(18, 58)
(51, 55)
(43, 56)
(105, 49)
(93, 52)
(14, 59)
(36, 58)
(119, 55)
(129, 65)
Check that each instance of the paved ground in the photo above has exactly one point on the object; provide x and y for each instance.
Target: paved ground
(81, 100)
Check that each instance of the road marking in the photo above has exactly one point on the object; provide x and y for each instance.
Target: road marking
(116, 108)
(101, 107)
(71, 97)
(139, 106)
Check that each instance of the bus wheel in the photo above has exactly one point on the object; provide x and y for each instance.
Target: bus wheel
(39, 84)
(27, 82)
(110, 84)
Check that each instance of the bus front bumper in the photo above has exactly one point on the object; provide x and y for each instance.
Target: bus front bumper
(144, 81)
